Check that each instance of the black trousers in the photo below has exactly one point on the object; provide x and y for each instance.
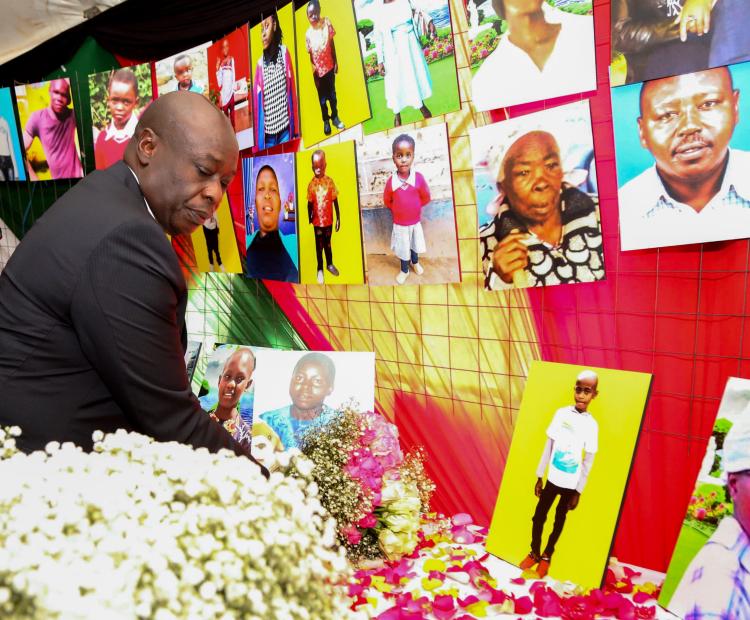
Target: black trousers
(323, 244)
(327, 94)
(212, 244)
(546, 499)
(6, 168)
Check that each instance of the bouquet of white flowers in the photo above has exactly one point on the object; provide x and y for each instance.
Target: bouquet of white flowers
(139, 529)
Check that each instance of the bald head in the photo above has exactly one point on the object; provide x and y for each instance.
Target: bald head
(243, 355)
(177, 117)
(184, 153)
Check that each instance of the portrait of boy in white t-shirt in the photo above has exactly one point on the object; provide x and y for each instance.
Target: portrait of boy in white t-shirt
(568, 454)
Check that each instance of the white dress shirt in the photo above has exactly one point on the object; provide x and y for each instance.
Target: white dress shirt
(509, 77)
(650, 217)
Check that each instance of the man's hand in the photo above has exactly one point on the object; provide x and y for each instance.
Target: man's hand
(336, 68)
(338, 224)
(695, 18)
(381, 68)
(574, 499)
(538, 487)
(510, 255)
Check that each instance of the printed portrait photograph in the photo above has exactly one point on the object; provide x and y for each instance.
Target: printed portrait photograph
(330, 232)
(187, 70)
(683, 160)
(332, 88)
(271, 217)
(538, 199)
(407, 206)
(409, 59)
(652, 39)
(567, 469)
(228, 387)
(705, 575)
(273, 60)
(229, 82)
(12, 166)
(297, 391)
(215, 243)
(117, 98)
(529, 50)
(47, 115)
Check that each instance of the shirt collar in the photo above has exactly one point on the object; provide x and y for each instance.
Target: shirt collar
(120, 135)
(574, 409)
(150, 212)
(730, 535)
(734, 178)
(397, 181)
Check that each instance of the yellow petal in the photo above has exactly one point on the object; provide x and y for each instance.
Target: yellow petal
(478, 609)
(378, 582)
(430, 584)
(434, 565)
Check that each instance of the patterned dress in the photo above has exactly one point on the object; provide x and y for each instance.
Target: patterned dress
(240, 430)
(577, 258)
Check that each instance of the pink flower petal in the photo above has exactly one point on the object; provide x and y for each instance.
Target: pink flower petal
(462, 519)
(523, 605)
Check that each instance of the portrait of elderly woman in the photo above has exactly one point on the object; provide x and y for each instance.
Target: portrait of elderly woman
(272, 252)
(537, 177)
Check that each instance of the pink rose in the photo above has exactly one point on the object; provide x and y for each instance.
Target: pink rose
(368, 520)
(353, 535)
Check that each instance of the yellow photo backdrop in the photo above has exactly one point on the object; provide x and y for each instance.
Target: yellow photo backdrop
(582, 552)
(230, 255)
(286, 21)
(29, 99)
(346, 244)
(351, 88)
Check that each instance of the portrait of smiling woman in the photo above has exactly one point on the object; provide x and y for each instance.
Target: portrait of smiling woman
(271, 228)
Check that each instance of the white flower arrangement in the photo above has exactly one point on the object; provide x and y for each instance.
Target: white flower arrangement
(139, 529)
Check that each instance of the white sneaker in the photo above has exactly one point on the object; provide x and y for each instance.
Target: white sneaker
(401, 277)
(418, 269)
(211, 267)
(320, 276)
(221, 267)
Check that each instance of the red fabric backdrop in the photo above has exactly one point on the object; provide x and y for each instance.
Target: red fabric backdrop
(678, 313)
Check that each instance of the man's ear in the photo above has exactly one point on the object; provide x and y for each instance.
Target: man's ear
(640, 132)
(732, 485)
(146, 145)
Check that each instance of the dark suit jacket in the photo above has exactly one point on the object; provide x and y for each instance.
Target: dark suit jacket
(92, 306)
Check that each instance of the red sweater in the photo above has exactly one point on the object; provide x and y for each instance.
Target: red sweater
(406, 202)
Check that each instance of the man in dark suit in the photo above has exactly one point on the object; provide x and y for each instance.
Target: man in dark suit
(92, 302)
